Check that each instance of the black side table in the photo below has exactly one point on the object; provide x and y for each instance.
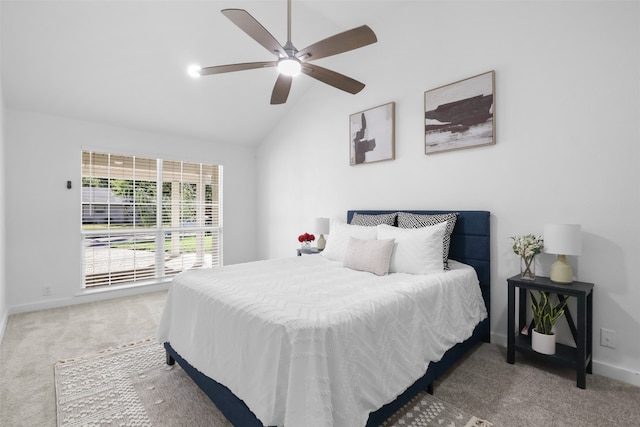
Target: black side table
(579, 357)
(310, 251)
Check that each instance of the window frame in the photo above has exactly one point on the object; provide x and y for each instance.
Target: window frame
(206, 237)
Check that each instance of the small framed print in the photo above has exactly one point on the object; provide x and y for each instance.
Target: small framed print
(460, 115)
(372, 135)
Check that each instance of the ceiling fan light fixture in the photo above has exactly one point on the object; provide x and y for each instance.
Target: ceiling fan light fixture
(194, 71)
(289, 60)
(289, 66)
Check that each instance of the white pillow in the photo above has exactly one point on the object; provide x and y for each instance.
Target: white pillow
(339, 235)
(416, 250)
(372, 256)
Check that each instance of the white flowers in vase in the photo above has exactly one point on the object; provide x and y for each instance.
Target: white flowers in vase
(527, 246)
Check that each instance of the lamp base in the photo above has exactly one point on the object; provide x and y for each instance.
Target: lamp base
(321, 242)
(561, 271)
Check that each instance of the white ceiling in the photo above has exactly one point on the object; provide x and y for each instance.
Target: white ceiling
(124, 62)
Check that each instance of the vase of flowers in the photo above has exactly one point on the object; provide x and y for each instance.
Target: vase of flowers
(527, 246)
(305, 240)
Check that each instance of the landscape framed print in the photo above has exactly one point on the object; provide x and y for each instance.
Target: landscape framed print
(460, 115)
(372, 135)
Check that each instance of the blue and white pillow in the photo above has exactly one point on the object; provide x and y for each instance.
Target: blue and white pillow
(373, 220)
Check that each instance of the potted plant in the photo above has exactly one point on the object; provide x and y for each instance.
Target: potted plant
(545, 315)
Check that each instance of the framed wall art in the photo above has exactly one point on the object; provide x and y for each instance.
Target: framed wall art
(372, 135)
(460, 115)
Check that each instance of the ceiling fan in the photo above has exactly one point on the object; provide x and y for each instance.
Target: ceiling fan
(292, 61)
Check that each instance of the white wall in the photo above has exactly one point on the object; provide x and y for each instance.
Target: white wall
(3, 299)
(43, 152)
(567, 112)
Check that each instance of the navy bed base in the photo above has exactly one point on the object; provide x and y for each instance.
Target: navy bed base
(469, 244)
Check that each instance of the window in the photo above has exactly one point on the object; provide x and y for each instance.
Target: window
(146, 219)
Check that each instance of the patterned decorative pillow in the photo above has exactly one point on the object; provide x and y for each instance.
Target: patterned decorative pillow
(372, 256)
(409, 220)
(373, 220)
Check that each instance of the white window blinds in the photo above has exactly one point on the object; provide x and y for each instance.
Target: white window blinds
(145, 219)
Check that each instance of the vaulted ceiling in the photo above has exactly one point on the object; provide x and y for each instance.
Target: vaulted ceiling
(124, 62)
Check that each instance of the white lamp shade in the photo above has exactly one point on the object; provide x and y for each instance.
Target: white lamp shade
(563, 239)
(321, 225)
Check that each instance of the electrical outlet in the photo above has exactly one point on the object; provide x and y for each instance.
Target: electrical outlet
(607, 338)
(46, 291)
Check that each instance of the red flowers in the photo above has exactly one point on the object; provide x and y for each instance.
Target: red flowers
(306, 237)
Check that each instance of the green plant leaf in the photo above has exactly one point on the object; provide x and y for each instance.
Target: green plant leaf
(544, 313)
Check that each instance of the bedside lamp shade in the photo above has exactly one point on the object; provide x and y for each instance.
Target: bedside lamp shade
(321, 227)
(562, 240)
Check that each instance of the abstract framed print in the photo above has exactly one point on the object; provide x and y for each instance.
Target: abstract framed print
(372, 135)
(460, 115)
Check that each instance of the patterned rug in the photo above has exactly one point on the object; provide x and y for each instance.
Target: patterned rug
(132, 386)
(425, 410)
(99, 389)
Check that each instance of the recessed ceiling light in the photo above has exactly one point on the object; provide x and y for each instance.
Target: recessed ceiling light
(194, 71)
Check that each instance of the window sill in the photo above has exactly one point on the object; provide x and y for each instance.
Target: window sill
(124, 287)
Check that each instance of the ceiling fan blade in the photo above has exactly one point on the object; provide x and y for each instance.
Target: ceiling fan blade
(281, 89)
(219, 69)
(339, 43)
(255, 30)
(332, 78)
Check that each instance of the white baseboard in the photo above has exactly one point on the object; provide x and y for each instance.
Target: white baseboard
(499, 339)
(88, 297)
(600, 368)
(4, 318)
(616, 373)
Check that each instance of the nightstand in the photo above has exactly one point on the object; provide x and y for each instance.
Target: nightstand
(578, 357)
(310, 251)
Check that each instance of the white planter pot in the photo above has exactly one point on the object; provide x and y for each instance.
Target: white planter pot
(542, 343)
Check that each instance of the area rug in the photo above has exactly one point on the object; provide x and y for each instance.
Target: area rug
(425, 410)
(131, 385)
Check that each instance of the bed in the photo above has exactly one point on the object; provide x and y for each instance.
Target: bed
(323, 374)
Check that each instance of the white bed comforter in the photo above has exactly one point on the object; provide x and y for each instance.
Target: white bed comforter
(306, 342)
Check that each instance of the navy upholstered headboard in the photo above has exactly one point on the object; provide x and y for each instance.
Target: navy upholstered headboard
(470, 244)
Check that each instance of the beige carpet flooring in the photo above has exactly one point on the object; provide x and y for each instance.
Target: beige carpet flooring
(132, 385)
(527, 393)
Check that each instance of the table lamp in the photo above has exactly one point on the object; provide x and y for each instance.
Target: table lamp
(321, 227)
(562, 240)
